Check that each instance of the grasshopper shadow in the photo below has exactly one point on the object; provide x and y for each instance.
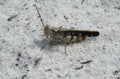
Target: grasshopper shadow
(45, 44)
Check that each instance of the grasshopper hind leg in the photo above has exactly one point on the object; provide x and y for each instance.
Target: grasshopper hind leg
(79, 39)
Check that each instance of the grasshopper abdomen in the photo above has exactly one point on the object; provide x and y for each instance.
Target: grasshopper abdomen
(71, 36)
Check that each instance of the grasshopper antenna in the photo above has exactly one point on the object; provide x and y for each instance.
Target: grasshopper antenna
(39, 16)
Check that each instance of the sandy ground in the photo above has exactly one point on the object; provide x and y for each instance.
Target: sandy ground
(21, 40)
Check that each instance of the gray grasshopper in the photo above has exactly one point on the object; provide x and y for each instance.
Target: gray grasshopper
(66, 36)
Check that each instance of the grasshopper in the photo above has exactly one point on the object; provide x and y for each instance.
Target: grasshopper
(66, 36)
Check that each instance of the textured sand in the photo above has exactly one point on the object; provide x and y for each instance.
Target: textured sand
(21, 40)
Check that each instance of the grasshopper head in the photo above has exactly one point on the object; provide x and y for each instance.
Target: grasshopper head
(47, 31)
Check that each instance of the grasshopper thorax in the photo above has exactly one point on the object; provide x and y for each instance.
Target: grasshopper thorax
(47, 31)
